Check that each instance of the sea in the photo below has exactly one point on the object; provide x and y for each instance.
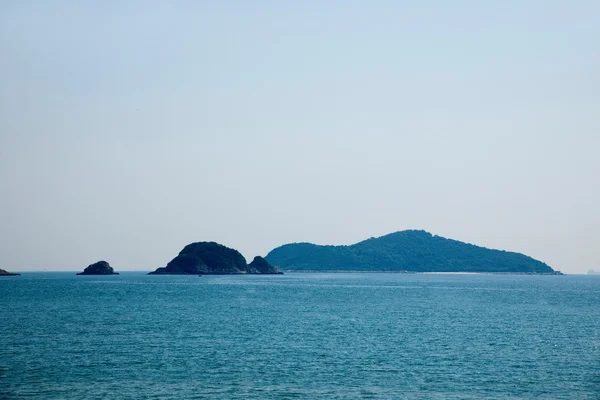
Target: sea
(299, 336)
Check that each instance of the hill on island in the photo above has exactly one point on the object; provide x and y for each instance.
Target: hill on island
(412, 251)
(99, 268)
(210, 258)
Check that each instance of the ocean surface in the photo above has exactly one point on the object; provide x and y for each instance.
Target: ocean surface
(305, 336)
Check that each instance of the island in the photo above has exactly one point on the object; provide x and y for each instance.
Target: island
(261, 266)
(211, 258)
(405, 251)
(99, 268)
(6, 273)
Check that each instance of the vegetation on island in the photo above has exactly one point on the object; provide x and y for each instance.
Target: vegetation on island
(206, 258)
(261, 266)
(99, 268)
(411, 251)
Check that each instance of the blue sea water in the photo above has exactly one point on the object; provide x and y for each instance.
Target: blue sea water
(346, 335)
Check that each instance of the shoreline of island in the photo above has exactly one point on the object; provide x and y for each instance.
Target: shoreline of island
(342, 271)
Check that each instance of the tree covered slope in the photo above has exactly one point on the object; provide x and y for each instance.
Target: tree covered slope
(416, 251)
(213, 258)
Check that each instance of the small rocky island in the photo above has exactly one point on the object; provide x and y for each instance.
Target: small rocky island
(261, 266)
(99, 268)
(6, 273)
(210, 258)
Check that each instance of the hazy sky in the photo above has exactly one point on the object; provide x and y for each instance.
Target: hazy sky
(130, 130)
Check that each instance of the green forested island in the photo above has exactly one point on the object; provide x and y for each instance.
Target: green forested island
(99, 268)
(210, 258)
(410, 251)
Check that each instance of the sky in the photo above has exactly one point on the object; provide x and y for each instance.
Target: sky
(130, 129)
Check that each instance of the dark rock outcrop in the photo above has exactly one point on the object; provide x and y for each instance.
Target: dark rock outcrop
(413, 251)
(6, 273)
(261, 266)
(99, 268)
(210, 258)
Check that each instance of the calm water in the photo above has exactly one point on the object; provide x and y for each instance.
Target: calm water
(300, 336)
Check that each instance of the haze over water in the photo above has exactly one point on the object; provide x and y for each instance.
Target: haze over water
(377, 336)
(130, 129)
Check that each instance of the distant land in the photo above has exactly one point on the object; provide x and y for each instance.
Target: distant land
(593, 272)
(6, 273)
(210, 258)
(99, 268)
(405, 251)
